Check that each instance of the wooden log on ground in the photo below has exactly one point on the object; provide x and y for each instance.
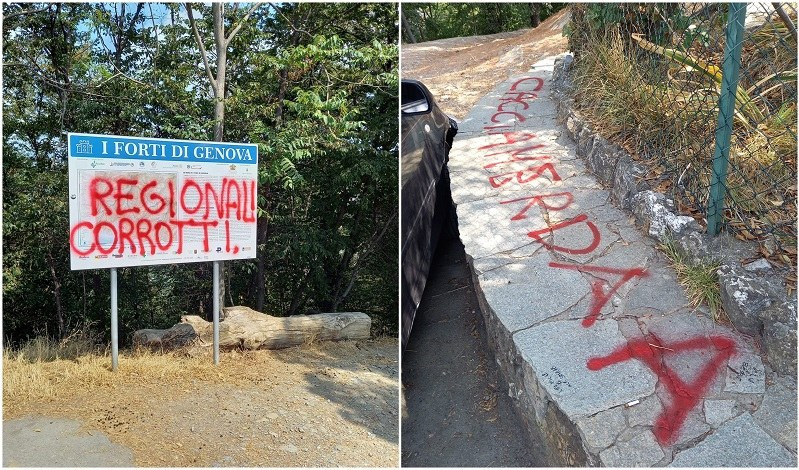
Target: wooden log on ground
(178, 336)
(246, 328)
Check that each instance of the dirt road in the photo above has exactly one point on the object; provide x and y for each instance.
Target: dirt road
(460, 71)
(330, 404)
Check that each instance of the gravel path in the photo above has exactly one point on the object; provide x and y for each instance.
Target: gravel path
(460, 71)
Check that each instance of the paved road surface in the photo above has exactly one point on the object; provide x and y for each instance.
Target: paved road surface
(38, 441)
(457, 409)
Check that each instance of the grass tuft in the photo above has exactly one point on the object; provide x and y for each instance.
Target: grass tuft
(699, 279)
(45, 349)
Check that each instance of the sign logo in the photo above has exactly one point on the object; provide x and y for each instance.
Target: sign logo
(83, 147)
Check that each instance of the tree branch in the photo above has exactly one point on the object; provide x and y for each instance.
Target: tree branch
(241, 22)
(21, 13)
(785, 19)
(291, 24)
(199, 42)
(361, 257)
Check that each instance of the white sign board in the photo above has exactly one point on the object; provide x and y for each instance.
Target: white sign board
(137, 201)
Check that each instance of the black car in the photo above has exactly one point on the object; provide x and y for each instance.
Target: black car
(427, 208)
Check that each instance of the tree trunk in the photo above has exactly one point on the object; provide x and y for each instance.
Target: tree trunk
(535, 14)
(221, 42)
(57, 294)
(406, 27)
(245, 328)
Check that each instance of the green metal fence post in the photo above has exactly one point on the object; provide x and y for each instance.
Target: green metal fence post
(729, 86)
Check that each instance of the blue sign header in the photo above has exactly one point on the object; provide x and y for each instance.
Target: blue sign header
(139, 148)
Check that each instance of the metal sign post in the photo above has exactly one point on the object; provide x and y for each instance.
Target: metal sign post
(114, 330)
(138, 201)
(216, 312)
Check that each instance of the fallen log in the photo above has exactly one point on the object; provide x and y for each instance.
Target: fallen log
(246, 328)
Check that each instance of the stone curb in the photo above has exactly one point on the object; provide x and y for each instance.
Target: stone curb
(588, 415)
(752, 295)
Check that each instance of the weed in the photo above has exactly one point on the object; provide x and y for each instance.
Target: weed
(699, 279)
(44, 349)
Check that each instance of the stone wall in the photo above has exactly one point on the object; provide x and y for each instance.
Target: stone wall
(752, 294)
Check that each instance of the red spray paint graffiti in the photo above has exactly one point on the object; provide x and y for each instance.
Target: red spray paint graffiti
(537, 236)
(511, 138)
(539, 83)
(686, 395)
(522, 214)
(140, 215)
(521, 177)
(599, 296)
(520, 93)
(650, 350)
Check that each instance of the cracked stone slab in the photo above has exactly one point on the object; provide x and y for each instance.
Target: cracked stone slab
(688, 365)
(738, 443)
(519, 294)
(645, 412)
(746, 374)
(584, 201)
(718, 412)
(623, 255)
(777, 414)
(692, 428)
(596, 204)
(640, 451)
(573, 237)
(658, 292)
(505, 235)
(600, 431)
(629, 328)
(473, 184)
(576, 390)
(580, 310)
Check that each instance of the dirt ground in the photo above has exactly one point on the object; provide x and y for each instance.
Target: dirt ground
(329, 404)
(460, 71)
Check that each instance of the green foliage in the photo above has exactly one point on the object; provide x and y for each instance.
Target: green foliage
(430, 21)
(314, 85)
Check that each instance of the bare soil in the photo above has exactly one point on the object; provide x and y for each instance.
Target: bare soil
(328, 404)
(460, 71)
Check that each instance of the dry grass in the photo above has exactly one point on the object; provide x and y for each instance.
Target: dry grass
(26, 382)
(666, 115)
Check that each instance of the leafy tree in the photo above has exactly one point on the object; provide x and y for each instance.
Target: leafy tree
(315, 86)
(430, 21)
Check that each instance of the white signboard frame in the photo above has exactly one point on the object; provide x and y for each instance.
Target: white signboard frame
(141, 201)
